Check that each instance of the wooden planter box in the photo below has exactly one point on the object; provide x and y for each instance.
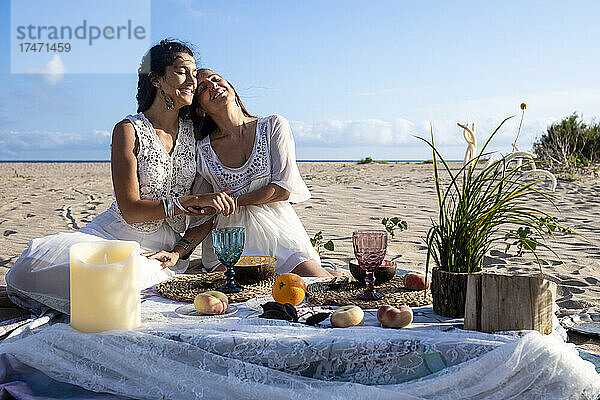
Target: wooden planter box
(506, 303)
(449, 292)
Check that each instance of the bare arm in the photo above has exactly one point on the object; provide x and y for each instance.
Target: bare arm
(126, 185)
(266, 194)
(193, 236)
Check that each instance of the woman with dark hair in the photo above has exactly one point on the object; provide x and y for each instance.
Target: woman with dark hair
(254, 158)
(153, 168)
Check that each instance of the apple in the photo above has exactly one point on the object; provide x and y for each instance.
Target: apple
(392, 317)
(415, 281)
(211, 303)
(346, 316)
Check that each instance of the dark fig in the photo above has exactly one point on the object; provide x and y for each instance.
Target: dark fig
(291, 311)
(272, 305)
(317, 318)
(273, 314)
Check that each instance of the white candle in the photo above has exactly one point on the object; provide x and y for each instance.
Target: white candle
(105, 285)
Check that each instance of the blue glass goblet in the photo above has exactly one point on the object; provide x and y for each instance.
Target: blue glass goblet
(229, 245)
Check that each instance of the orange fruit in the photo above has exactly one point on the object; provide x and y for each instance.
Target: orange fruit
(289, 288)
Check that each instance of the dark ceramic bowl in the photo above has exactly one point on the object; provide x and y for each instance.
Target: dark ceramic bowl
(384, 273)
(254, 269)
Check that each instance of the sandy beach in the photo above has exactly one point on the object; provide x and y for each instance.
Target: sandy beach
(38, 199)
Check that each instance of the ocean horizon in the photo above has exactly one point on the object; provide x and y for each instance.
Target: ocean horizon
(107, 161)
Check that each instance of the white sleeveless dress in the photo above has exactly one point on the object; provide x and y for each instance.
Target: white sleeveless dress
(40, 277)
(272, 229)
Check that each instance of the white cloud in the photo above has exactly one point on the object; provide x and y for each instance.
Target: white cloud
(189, 8)
(14, 142)
(54, 70)
(543, 108)
(395, 139)
(360, 132)
(402, 131)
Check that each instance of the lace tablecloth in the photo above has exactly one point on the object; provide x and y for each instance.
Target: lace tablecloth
(252, 358)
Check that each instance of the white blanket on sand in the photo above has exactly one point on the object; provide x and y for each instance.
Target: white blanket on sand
(243, 357)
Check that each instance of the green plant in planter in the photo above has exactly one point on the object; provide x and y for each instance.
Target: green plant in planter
(476, 207)
(524, 239)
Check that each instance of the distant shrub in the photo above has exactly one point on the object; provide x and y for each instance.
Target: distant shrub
(366, 160)
(569, 144)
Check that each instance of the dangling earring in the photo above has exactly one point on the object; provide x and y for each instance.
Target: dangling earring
(168, 100)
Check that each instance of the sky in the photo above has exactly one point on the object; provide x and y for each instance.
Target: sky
(354, 78)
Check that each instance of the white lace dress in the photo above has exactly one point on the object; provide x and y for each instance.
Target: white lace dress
(271, 229)
(40, 277)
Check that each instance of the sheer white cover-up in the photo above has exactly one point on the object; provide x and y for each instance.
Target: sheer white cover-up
(40, 277)
(244, 357)
(272, 229)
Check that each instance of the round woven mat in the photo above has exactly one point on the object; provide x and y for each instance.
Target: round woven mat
(185, 287)
(341, 294)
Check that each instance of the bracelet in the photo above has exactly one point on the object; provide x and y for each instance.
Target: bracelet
(184, 243)
(171, 207)
(178, 204)
(165, 208)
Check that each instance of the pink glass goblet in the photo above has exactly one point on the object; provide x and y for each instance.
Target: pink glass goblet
(369, 249)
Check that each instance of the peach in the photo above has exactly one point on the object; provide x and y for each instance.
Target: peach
(206, 303)
(346, 316)
(415, 281)
(219, 295)
(392, 317)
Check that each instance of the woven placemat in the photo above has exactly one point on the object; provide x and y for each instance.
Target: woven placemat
(341, 294)
(185, 288)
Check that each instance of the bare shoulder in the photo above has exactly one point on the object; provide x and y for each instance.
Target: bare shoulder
(123, 128)
(123, 133)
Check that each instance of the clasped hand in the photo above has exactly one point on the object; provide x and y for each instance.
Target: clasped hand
(210, 203)
(197, 205)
